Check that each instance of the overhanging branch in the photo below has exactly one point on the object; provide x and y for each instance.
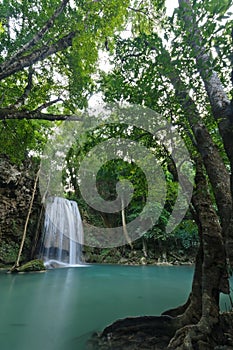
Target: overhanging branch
(6, 113)
(38, 36)
(47, 104)
(27, 90)
(36, 56)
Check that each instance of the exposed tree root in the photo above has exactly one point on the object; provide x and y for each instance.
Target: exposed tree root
(148, 332)
(156, 333)
(165, 324)
(203, 337)
(192, 337)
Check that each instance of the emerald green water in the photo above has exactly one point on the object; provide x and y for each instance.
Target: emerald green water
(59, 309)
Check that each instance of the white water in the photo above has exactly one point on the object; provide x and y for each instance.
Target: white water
(62, 234)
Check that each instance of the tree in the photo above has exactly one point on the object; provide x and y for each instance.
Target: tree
(177, 76)
(113, 171)
(48, 53)
(50, 50)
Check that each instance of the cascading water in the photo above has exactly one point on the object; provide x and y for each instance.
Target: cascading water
(62, 234)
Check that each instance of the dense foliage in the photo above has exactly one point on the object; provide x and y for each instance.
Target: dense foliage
(48, 55)
(179, 66)
(113, 171)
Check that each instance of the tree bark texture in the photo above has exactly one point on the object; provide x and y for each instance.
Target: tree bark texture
(214, 274)
(216, 170)
(220, 104)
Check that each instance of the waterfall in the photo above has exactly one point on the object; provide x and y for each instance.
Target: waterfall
(62, 238)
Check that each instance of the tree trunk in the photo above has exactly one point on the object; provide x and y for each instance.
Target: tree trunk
(190, 312)
(220, 104)
(124, 226)
(37, 233)
(196, 324)
(218, 174)
(214, 277)
(144, 247)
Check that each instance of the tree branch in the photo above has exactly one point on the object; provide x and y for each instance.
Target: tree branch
(9, 113)
(221, 107)
(138, 10)
(47, 104)
(38, 36)
(36, 56)
(27, 90)
(130, 55)
(215, 91)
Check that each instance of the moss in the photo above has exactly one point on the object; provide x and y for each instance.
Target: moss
(33, 265)
(8, 252)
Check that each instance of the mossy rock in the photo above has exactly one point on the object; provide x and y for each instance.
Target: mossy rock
(33, 265)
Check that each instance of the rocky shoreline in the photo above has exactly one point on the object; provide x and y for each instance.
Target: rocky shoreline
(153, 333)
(136, 257)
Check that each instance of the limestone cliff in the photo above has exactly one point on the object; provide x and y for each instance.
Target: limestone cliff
(16, 186)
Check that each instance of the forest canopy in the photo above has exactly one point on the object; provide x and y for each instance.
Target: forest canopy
(49, 54)
(179, 66)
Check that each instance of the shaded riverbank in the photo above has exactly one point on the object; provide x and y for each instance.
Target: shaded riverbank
(126, 256)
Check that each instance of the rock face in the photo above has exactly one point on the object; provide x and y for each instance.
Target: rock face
(16, 187)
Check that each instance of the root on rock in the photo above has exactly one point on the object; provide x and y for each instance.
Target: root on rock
(163, 333)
